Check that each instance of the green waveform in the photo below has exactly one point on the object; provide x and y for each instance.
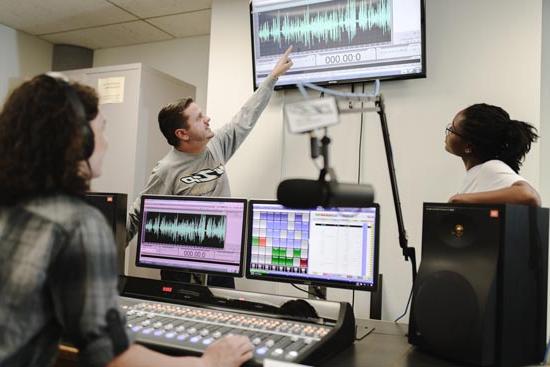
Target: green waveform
(194, 231)
(361, 14)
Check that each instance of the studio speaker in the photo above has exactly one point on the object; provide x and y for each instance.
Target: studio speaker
(481, 291)
(113, 207)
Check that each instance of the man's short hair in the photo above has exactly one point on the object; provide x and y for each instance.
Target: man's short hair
(171, 118)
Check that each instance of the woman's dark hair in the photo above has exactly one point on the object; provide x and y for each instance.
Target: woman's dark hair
(41, 140)
(171, 118)
(495, 136)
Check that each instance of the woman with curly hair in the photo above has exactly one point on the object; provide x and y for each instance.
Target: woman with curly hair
(492, 147)
(58, 271)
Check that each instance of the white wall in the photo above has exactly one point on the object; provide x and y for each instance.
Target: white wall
(472, 57)
(23, 56)
(185, 59)
(545, 120)
(255, 169)
(488, 51)
(545, 105)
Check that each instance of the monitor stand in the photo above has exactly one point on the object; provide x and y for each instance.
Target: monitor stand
(317, 292)
(200, 279)
(362, 329)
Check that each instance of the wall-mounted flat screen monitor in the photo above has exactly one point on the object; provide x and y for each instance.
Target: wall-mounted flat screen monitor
(333, 247)
(192, 234)
(339, 41)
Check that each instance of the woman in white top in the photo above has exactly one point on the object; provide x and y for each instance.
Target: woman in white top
(492, 147)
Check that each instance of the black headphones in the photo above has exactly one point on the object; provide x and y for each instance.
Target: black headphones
(79, 113)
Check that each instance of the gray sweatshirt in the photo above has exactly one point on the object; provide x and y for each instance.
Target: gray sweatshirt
(203, 174)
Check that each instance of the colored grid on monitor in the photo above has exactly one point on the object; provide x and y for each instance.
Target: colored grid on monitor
(280, 240)
(196, 234)
(334, 246)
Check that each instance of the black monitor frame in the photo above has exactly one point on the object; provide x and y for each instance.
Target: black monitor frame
(327, 82)
(193, 198)
(311, 281)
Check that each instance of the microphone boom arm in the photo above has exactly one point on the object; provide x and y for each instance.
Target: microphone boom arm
(379, 106)
(325, 142)
(408, 252)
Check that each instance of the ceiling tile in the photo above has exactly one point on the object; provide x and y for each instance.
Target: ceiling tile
(110, 36)
(184, 25)
(148, 8)
(40, 16)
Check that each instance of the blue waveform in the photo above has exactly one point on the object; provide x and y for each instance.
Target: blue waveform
(337, 24)
(188, 229)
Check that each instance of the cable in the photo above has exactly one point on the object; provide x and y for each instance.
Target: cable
(283, 155)
(407, 306)
(358, 175)
(303, 290)
(360, 139)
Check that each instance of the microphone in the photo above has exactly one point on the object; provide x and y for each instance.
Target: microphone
(304, 194)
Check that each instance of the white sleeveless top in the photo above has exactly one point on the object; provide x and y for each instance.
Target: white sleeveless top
(489, 176)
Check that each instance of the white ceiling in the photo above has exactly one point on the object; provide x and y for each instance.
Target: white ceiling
(107, 23)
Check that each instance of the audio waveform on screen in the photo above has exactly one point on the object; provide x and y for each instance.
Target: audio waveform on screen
(203, 230)
(324, 25)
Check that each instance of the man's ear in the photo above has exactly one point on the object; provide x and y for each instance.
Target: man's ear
(181, 134)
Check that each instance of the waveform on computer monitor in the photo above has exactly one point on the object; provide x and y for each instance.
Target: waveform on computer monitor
(203, 230)
(330, 24)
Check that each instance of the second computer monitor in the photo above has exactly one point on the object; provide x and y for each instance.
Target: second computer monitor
(336, 247)
(192, 234)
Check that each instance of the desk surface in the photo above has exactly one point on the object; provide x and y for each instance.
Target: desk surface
(386, 346)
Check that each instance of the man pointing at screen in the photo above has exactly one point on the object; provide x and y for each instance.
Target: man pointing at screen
(196, 163)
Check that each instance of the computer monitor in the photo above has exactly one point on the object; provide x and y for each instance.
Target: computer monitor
(192, 234)
(336, 247)
(113, 206)
(338, 41)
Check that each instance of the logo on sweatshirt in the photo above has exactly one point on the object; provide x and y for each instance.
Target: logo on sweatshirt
(204, 175)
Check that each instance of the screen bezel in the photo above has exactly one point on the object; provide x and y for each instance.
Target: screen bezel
(316, 282)
(194, 198)
(419, 75)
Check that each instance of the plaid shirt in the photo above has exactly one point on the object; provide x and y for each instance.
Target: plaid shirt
(58, 276)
